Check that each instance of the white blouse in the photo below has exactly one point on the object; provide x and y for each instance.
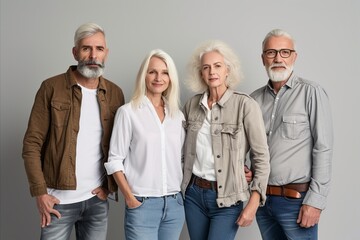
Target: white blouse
(147, 151)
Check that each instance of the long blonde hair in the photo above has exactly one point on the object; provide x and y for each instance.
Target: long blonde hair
(172, 93)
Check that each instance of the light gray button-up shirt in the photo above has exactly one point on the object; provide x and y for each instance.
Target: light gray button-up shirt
(299, 130)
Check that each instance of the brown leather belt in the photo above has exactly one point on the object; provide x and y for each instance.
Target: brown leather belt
(203, 183)
(291, 190)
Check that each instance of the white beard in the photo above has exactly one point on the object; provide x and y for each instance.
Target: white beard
(279, 76)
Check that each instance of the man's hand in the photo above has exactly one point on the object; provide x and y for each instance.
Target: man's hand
(248, 174)
(45, 204)
(308, 216)
(101, 193)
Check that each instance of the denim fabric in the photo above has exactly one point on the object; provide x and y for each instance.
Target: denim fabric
(205, 220)
(90, 218)
(160, 218)
(277, 220)
(237, 127)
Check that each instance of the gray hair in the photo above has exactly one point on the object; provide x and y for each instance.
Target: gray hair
(171, 94)
(195, 81)
(277, 33)
(86, 30)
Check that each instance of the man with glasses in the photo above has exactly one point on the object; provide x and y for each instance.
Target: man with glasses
(298, 125)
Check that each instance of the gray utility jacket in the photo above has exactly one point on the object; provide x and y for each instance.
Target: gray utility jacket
(236, 126)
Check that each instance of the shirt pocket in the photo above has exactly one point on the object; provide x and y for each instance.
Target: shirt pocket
(295, 127)
(60, 112)
(230, 136)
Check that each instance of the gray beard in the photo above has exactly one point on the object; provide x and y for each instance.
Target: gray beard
(90, 72)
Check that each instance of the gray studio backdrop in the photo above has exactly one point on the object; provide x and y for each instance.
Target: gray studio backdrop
(36, 42)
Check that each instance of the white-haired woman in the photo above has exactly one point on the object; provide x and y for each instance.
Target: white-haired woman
(145, 152)
(222, 125)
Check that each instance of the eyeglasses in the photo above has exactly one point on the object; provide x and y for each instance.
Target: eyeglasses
(284, 53)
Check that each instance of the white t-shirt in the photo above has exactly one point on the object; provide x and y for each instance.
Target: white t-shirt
(146, 150)
(89, 169)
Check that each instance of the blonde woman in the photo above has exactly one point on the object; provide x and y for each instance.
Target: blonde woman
(145, 152)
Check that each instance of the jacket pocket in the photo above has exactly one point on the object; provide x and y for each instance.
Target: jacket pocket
(230, 136)
(295, 126)
(60, 112)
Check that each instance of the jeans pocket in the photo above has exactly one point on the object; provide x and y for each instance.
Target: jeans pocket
(180, 199)
(141, 200)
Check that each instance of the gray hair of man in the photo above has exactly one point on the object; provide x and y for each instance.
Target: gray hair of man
(86, 30)
(277, 33)
(194, 80)
(171, 94)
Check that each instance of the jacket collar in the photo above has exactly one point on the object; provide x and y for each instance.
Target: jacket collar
(228, 93)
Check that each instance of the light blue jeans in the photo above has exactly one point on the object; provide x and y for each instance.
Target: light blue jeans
(205, 220)
(90, 218)
(277, 220)
(157, 218)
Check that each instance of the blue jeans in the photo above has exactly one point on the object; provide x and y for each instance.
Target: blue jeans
(277, 220)
(90, 218)
(159, 218)
(205, 220)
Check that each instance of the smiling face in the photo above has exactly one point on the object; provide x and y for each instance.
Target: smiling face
(278, 68)
(214, 70)
(157, 78)
(91, 53)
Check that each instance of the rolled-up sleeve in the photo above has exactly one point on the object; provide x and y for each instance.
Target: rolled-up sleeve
(259, 151)
(119, 143)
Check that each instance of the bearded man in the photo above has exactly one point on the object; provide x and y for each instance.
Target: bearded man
(298, 125)
(67, 142)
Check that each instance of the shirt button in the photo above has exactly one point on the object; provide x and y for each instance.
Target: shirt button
(219, 170)
(216, 118)
(218, 156)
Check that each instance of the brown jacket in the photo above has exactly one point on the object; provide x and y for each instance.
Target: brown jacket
(49, 147)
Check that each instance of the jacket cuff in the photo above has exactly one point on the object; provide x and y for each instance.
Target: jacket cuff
(38, 190)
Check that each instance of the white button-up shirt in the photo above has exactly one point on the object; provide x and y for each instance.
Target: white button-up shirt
(147, 150)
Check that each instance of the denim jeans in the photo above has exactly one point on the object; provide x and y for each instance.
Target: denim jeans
(90, 218)
(159, 218)
(277, 220)
(205, 220)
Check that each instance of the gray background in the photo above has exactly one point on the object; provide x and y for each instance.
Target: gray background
(36, 42)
